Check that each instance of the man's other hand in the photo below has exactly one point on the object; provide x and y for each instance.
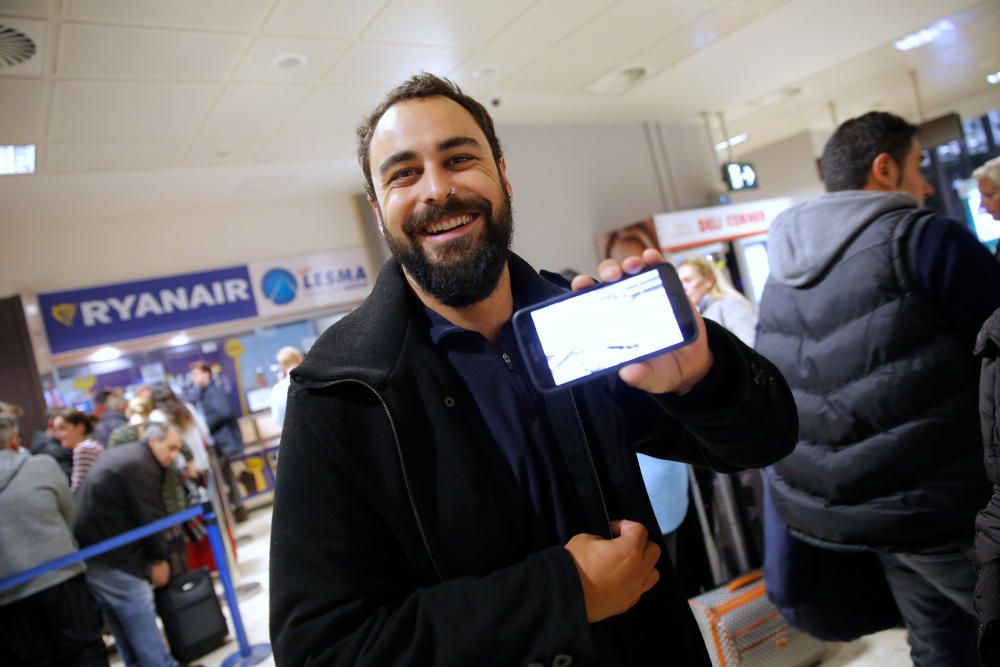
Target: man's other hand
(159, 573)
(676, 371)
(614, 573)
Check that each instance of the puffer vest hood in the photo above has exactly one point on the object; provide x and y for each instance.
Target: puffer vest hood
(889, 454)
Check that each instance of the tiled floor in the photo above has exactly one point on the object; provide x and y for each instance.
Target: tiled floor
(885, 649)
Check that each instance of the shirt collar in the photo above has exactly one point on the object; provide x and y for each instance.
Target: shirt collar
(441, 327)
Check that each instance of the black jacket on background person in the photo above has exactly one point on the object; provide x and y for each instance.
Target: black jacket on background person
(884, 381)
(987, 596)
(110, 420)
(43, 443)
(392, 536)
(122, 491)
(221, 420)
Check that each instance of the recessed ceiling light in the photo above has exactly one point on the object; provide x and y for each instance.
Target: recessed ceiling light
(925, 35)
(993, 78)
(290, 61)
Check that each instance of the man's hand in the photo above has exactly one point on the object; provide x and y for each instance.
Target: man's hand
(614, 573)
(676, 371)
(159, 573)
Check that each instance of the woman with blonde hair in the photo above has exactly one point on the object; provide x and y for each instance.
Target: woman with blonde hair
(710, 292)
(988, 181)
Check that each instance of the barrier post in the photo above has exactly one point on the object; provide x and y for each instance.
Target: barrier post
(247, 655)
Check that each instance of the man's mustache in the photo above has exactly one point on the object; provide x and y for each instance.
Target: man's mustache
(452, 206)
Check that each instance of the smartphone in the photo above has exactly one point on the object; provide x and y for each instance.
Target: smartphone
(573, 337)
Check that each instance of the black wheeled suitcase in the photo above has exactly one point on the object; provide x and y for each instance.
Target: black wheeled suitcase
(192, 618)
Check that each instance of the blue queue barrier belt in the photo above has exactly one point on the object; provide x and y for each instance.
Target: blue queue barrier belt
(247, 655)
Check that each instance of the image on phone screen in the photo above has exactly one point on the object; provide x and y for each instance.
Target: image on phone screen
(606, 327)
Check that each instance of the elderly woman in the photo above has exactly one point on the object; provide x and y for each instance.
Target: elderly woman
(988, 177)
(716, 299)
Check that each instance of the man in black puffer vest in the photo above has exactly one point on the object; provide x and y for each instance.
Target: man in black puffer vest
(871, 313)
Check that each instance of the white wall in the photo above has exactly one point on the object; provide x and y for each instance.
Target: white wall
(570, 182)
(786, 168)
(573, 182)
(66, 252)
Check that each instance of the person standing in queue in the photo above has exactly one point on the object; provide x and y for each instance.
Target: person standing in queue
(50, 620)
(74, 430)
(224, 428)
(431, 507)
(716, 299)
(124, 491)
(288, 358)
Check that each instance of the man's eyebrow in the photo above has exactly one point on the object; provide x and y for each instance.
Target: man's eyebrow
(455, 142)
(395, 158)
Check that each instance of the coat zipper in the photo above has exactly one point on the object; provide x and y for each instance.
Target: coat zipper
(402, 468)
(590, 459)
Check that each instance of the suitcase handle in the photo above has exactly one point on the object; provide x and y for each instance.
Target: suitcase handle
(745, 580)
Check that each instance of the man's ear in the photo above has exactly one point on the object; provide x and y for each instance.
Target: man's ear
(883, 175)
(502, 162)
(378, 213)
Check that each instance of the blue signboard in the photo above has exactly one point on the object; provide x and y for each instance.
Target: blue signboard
(98, 315)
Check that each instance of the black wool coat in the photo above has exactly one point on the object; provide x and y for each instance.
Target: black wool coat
(987, 596)
(391, 543)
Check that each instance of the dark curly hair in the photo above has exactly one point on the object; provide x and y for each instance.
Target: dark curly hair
(422, 86)
(848, 155)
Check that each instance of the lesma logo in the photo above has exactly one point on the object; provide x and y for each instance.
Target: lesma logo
(279, 286)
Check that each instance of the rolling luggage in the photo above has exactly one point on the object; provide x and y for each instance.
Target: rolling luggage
(191, 615)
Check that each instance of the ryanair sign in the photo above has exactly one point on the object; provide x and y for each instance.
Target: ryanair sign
(99, 315)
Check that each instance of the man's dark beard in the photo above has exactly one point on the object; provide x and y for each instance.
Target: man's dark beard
(464, 275)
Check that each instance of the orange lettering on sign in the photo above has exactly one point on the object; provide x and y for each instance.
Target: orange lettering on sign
(736, 219)
(709, 224)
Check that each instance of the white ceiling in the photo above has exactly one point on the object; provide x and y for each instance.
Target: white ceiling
(143, 86)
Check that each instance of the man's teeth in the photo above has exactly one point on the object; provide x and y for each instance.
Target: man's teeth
(449, 223)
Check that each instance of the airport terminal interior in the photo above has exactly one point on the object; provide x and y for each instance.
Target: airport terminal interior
(184, 216)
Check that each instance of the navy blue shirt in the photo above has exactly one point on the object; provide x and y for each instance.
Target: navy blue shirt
(515, 415)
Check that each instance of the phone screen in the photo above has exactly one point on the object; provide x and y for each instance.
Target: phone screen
(609, 326)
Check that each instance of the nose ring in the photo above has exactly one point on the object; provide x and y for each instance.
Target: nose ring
(451, 191)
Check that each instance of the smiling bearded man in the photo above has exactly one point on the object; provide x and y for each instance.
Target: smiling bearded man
(432, 508)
